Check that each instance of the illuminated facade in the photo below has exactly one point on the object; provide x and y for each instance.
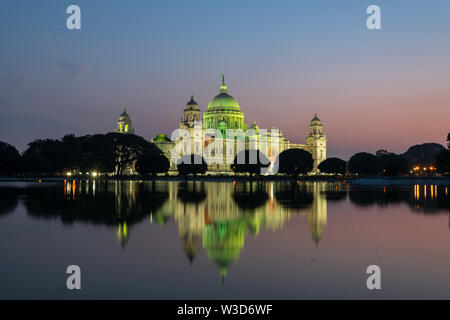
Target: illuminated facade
(223, 118)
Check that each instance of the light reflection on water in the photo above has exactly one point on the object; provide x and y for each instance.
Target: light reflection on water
(216, 218)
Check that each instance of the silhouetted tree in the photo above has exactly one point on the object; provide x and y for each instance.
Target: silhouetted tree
(443, 162)
(392, 164)
(448, 140)
(151, 163)
(191, 192)
(35, 164)
(250, 161)
(9, 159)
(333, 165)
(72, 149)
(191, 164)
(50, 149)
(294, 162)
(127, 148)
(250, 195)
(363, 163)
(9, 199)
(423, 154)
(97, 153)
(292, 195)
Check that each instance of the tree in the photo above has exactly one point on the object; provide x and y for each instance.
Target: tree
(392, 164)
(363, 163)
(72, 148)
(36, 164)
(448, 140)
(191, 164)
(151, 163)
(424, 154)
(50, 149)
(443, 162)
(250, 161)
(62, 155)
(9, 159)
(294, 162)
(127, 148)
(97, 153)
(333, 165)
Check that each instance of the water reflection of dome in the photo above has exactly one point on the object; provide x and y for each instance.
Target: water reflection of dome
(223, 242)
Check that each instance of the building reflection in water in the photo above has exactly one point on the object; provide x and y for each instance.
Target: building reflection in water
(219, 216)
(213, 216)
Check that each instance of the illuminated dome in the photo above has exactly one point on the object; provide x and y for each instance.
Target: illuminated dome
(224, 241)
(254, 126)
(223, 101)
(161, 138)
(224, 107)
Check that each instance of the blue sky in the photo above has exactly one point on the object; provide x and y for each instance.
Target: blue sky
(283, 61)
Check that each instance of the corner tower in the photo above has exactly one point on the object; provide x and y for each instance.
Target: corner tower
(192, 113)
(124, 124)
(316, 142)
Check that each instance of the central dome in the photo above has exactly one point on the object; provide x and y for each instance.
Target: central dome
(223, 108)
(223, 101)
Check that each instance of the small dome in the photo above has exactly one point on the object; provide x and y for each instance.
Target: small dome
(222, 124)
(124, 114)
(192, 104)
(254, 127)
(161, 137)
(315, 120)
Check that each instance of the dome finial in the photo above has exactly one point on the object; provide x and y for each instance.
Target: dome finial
(223, 86)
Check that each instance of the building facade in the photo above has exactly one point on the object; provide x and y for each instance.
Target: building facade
(221, 133)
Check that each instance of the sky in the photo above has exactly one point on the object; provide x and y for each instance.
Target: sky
(283, 62)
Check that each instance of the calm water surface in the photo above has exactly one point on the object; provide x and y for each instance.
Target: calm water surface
(223, 240)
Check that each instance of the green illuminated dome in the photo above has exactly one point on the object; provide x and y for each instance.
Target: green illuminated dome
(161, 138)
(223, 101)
(224, 107)
(224, 241)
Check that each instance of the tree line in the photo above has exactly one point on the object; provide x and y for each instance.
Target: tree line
(112, 153)
(120, 154)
